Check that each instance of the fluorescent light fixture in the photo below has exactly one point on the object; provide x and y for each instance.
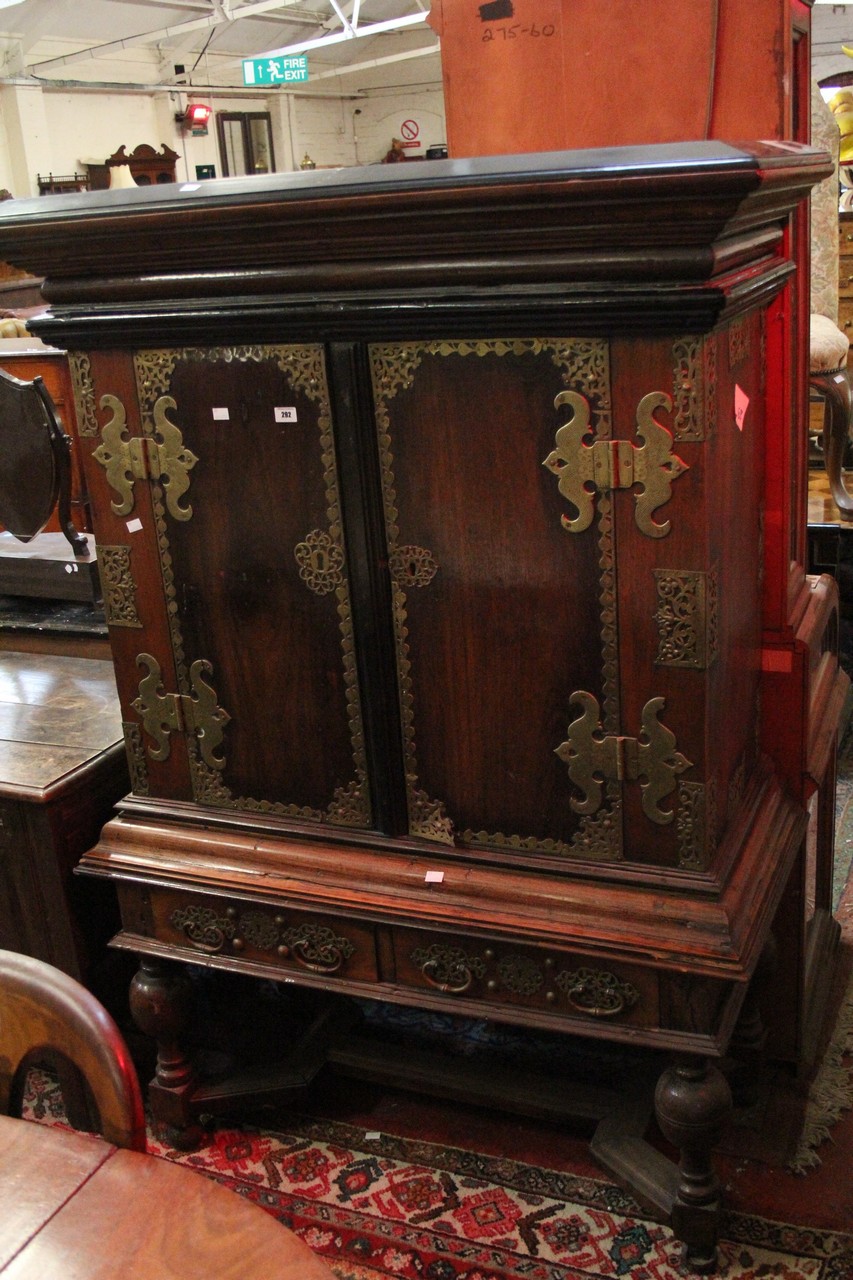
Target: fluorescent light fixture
(393, 24)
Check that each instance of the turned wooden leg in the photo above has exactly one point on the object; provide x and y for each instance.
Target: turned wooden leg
(160, 998)
(692, 1104)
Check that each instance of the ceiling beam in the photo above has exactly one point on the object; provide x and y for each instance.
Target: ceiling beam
(370, 63)
(213, 19)
(337, 37)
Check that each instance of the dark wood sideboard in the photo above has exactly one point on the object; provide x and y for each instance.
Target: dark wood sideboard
(62, 768)
(464, 647)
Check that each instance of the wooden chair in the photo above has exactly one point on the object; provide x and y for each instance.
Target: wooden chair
(35, 463)
(828, 375)
(47, 1017)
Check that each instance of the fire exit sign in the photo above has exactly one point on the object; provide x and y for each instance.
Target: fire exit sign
(293, 70)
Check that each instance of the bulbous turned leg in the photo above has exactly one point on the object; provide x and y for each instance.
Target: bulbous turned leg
(692, 1104)
(160, 1000)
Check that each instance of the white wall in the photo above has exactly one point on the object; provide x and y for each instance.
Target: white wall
(832, 27)
(59, 130)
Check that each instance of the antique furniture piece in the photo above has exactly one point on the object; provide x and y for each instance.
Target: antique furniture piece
(62, 768)
(35, 463)
(123, 1213)
(26, 362)
(455, 519)
(845, 272)
(55, 184)
(148, 167)
(48, 1017)
(528, 76)
(829, 378)
(47, 550)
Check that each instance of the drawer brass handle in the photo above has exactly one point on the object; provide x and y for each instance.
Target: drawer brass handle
(204, 929)
(461, 981)
(448, 969)
(316, 947)
(597, 993)
(579, 998)
(318, 960)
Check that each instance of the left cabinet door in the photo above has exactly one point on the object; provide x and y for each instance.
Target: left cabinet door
(215, 499)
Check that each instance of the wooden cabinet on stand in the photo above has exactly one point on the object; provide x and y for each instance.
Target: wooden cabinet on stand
(538, 74)
(451, 591)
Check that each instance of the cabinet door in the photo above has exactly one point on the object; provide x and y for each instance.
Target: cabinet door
(501, 616)
(254, 588)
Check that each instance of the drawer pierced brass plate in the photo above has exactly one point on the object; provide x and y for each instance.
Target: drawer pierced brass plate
(596, 992)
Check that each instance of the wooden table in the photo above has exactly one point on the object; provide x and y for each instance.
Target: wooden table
(72, 1205)
(62, 768)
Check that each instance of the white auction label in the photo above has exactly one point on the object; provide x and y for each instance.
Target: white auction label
(285, 415)
(221, 415)
(133, 526)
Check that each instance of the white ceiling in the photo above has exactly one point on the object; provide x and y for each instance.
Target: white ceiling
(142, 41)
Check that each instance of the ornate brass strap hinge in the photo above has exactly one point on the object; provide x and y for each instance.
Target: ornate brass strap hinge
(164, 713)
(594, 757)
(162, 457)
(585, 469)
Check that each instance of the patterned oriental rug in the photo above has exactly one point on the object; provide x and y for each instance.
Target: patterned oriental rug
(380, 1207)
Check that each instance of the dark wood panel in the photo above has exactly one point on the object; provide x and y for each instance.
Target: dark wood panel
(499, 609)
(125, 527)
(258, 576)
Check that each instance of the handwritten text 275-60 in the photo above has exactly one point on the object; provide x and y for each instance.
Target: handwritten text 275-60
(516, 30)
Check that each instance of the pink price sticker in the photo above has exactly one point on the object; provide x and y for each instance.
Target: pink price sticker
(741, 406)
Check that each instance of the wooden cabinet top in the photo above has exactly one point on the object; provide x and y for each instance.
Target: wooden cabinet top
(652, 216)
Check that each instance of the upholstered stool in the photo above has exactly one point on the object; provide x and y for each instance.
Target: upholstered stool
(828, 348)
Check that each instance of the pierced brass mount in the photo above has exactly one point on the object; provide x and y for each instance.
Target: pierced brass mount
(584, 469)
(164, 713)
(593, 758)
(126, 460)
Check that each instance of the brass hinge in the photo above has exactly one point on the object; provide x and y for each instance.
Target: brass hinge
(164, 713)
(603, 465)
(594, 757)
(162, 457)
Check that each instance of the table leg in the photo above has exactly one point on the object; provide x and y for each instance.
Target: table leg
(160, 999)
(692, 1104)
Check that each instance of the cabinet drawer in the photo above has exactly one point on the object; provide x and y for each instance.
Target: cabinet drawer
(526, 977)
(294, 940)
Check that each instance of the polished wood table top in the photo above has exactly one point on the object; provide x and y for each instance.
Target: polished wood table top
(71, 1205)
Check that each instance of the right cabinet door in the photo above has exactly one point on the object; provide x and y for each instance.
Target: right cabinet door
(500, 614)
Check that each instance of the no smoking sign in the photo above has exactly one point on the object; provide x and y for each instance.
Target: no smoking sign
(410, 132)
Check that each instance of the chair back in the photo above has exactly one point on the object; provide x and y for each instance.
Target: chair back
(47, 1017)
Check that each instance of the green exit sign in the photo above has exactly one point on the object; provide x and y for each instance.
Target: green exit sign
(291, 70)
